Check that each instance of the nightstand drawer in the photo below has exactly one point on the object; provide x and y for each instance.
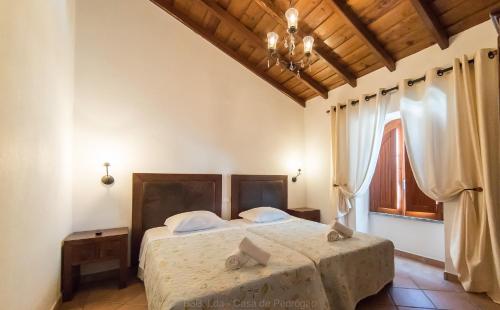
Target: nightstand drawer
(83, 253)
(110, 249)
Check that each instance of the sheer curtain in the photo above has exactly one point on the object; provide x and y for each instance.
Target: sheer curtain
(451, 128)
(356, 137)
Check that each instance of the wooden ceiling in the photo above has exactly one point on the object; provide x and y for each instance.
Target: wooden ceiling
(352, 38)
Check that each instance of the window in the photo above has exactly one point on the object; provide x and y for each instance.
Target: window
(393, 188)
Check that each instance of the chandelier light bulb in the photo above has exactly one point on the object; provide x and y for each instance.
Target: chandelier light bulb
(292, 18)
(272, 41)
(308, 44)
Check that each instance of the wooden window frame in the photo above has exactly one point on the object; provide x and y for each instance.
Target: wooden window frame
(404, 175)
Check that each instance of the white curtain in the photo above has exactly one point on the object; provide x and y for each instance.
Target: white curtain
(357, 132)
(452, 133)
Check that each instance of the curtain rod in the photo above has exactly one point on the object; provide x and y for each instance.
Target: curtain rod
(474, 189)
(440, 72)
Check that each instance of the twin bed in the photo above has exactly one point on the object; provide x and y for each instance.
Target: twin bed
(186, 271)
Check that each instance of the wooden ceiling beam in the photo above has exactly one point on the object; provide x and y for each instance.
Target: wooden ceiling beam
(226, 17)
(320, 48)
(168, 7)
(364, 33)
(432, 22)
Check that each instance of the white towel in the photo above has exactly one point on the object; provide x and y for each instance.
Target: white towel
(250, 249)
(345, 231)
(333, 235)
(236, 260)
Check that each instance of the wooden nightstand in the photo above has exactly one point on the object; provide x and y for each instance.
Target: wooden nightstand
(306, 214)
(86, 247)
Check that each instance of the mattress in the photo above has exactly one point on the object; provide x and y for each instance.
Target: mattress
(351, 269)
(188, 272)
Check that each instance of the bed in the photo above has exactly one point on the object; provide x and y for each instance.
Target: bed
(187, 271)
(351, 269)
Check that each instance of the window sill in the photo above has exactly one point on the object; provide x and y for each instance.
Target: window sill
(410, 218)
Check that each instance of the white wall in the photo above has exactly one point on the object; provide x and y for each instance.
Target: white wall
(417, 237)
(317, 135)
(36, 85)
(152, 96)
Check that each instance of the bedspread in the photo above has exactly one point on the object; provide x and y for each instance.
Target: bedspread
(351, 269)
(188, 272)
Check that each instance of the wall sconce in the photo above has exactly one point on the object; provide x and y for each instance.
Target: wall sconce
(294, 179)
(107, 179)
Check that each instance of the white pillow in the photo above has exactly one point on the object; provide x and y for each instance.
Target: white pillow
(193, 220)
(264, 214)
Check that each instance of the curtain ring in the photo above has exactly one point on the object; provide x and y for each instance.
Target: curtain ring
(410, 83)
(384, 92)
(491, 54)
(440, 72)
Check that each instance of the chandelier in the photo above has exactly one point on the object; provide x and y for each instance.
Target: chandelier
(292, 18)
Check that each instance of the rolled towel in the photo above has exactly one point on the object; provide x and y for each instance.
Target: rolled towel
(250, 249)
(333, 235)
(342, 229)
(236, 260)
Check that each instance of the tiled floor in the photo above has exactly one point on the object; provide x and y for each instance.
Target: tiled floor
(416, 286)
(420, 286)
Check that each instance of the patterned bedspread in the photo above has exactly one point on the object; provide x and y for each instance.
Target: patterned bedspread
(188, 272)
(351, 269)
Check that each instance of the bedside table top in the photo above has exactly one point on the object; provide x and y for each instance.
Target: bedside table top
(85, 235)
(304, 209)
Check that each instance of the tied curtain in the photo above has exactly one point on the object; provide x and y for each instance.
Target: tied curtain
(357, 131)
(451, 128)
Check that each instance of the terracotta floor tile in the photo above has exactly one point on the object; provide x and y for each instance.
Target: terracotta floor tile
(482, 301)
(404, 281)
(450, 300)
(426, 281)
(408, 297)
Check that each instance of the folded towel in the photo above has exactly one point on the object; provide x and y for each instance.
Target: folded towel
(250, 249)
(236, 260)
(345, 231)
(333, 235)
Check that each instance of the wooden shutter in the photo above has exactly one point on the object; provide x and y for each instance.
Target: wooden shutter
(393, 188)
(416, 203)
(384, 185)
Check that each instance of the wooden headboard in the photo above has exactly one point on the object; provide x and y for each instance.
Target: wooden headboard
(251, 191)
(157, 196)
